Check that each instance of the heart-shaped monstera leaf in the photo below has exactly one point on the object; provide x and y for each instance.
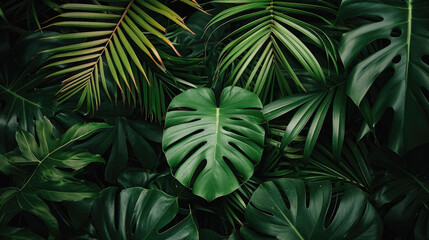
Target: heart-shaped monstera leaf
(138, 213)
(288, 209)
(212, 147)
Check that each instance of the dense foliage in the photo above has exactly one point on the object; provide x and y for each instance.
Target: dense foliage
(221, 119)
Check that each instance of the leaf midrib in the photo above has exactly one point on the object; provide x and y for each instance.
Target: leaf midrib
(20, 97)
(409, 32)
(49, 154)
(111, 36)
(216, 134)
(289, 222)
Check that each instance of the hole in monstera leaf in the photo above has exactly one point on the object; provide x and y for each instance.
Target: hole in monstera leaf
(193, 120)
(236, 147)
(237, 119)
(182, 109)
(228, 129)
(183, 139)
(233, 169)
(283, 194)
(384, 77)
(425, 59)
(396, 32)
(252, 108)
(370, 49)
(332, 210)
(197, 172)
(425, 93)
(187, 156)
(396, 59)
(261, 210)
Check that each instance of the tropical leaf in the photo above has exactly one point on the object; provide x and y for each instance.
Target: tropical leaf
(402, 194)
(28, 12)
(110, 31)
(23, 98)
(315, 104)
(138, 213)
(204, 43)
(269, 40)
(11, 233)
(403, 24)
(126, 135)
(21, 106)
(288, 209)
(352, 166)
(212, 147)
(38, 168)
(162, 181)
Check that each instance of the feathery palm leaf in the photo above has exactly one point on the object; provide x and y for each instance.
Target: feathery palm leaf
(114, 29)
(270, 34)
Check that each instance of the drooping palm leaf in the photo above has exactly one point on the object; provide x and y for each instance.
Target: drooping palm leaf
(287, 209)
(213, 147)
(37, 167)
(404, 25)
(138, 213)
(269, 33)
(108, 35)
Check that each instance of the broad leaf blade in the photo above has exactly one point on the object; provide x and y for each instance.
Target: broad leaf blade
(138, 213)
(222, 141)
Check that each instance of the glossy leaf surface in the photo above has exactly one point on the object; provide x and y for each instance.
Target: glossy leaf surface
(288, 209)
(404, 25)
(213, 147)
(138, 213)
(39, 166)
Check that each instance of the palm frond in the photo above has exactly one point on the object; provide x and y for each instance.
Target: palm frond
(109, 36)
(270, 40)
(313, 107)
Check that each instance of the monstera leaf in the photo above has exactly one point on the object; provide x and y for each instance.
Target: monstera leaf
(404, 25)
(287, 209)
(125, 137)
(213, 148)
(403, 192)
(138, 213)
(44, 170)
